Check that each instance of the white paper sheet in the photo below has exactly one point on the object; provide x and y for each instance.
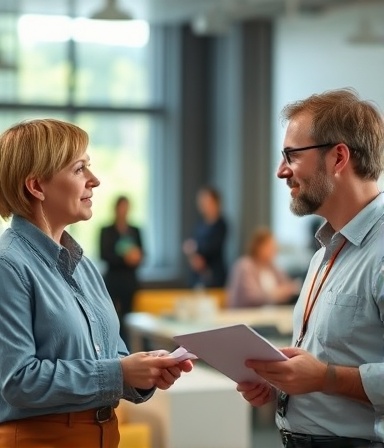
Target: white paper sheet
(226, 349)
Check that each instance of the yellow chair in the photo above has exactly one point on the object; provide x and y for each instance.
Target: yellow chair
(160, 301)
(132, 434)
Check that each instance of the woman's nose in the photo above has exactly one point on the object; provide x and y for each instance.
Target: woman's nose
(93, 180)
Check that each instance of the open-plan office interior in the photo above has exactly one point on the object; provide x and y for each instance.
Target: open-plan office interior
(178, 102)
(180, 94)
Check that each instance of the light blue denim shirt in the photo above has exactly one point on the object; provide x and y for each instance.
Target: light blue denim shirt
(346, 327)
(59, 332)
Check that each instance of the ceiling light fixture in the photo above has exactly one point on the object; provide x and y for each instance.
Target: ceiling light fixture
(211, 24)
(111, 11)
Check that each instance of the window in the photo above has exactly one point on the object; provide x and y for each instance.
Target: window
(112, 88)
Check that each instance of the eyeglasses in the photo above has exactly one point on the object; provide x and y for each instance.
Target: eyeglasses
(287, 151)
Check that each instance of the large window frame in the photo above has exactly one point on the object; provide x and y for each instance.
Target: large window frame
(162, 228)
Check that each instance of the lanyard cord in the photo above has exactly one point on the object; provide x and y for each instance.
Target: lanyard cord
(311, 303)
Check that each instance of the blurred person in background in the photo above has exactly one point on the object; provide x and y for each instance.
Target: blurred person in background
(255, 279)
(63, 366)
(122, 249)
(205, 250)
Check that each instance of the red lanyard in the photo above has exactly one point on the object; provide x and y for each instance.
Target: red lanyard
(311, 303)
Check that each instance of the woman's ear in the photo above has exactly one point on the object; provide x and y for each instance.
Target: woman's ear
(34, 187)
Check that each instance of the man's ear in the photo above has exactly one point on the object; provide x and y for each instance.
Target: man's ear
(342, 157)
(33, 185)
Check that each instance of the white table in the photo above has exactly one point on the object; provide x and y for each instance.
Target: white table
(163, 328)
(201, 410)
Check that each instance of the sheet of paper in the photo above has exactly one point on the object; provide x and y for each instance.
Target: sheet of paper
(226, 349)
(180, 354)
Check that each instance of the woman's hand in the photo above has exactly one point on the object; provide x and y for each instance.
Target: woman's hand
(170, 375)
(145, 370)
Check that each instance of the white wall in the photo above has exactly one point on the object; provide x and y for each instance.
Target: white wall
(312, 55)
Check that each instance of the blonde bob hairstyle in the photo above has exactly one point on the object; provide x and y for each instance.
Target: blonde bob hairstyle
(34, 148)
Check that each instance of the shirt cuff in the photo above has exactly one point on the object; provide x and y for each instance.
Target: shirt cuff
(138, 396)
(372, 380)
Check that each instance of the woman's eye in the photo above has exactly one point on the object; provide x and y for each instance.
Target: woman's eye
(82, 168)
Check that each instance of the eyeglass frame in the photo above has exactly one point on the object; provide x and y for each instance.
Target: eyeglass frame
(286, 151)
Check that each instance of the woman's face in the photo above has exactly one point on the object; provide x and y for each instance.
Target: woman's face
(267, 251)
(67, 195)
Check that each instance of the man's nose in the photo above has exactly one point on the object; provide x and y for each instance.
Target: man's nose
(284, 171)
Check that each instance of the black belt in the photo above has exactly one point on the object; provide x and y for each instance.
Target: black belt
(104, 414)
(297, 440)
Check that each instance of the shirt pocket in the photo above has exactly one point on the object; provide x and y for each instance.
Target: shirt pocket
(337, 318)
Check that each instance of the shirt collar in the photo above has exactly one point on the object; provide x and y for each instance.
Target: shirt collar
(46, 246)
(357, 229)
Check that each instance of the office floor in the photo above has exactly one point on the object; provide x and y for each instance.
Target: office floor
(265, 433)
(266, 438)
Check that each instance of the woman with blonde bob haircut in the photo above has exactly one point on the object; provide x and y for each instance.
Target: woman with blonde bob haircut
(24, 155)
(63, 367)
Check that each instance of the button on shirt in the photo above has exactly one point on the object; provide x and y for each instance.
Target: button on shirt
(59, 332)
(345, 328)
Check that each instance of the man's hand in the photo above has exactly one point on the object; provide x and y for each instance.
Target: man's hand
(257, 394)
(300, 374)
(144, 370)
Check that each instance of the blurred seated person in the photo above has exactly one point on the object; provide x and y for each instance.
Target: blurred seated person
(255, 280)
(205, 250)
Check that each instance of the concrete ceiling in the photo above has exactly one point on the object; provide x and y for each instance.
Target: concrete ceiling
(166, 11)
(195, 12)
(187, 10)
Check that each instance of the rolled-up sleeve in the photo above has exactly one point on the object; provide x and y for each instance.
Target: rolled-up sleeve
(372, 374)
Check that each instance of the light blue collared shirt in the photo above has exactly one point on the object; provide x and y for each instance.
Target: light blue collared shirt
(59, 332)
(346, 327)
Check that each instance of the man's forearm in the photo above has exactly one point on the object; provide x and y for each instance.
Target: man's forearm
(346, 381)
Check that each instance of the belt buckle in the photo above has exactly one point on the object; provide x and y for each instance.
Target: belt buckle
(104, 414)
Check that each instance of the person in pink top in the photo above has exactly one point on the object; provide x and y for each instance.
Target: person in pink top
(255, 279)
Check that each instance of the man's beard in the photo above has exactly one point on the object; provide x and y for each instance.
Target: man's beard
(313, 192)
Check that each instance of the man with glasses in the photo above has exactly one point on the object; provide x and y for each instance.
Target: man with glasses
(330, 392)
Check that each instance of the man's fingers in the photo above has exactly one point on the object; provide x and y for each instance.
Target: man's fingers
(245, 387)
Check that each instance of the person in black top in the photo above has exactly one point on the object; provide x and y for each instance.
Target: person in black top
(122, 249)
(205, 250)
